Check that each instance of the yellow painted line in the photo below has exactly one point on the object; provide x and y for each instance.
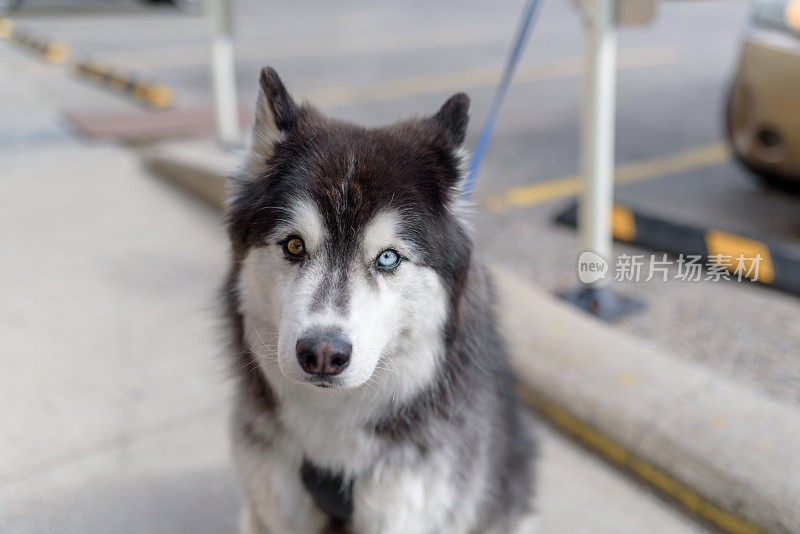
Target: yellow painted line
(633, 172)
(6, 28)
(619, 455)
(270, 50)
(479, 77)
(734, 246)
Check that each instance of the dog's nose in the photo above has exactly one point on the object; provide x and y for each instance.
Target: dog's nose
(325, 353)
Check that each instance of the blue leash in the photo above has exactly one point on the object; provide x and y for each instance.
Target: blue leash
(523, 32)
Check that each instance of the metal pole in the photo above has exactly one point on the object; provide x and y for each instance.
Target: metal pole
(223, 73)
(594, 216)
(597, 161)
(597, 150)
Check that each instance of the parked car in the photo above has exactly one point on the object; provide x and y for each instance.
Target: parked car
(763, 113)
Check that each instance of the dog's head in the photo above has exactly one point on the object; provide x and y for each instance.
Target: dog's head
(350, 248)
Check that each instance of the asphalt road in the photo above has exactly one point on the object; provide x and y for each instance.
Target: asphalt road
(375, 62)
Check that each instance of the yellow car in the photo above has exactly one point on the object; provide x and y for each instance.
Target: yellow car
(763, 118)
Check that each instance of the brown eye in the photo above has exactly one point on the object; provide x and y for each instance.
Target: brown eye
(295, 247)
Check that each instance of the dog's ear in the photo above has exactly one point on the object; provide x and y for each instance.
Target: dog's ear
(275, 109)
(452, 119)
(276, 114)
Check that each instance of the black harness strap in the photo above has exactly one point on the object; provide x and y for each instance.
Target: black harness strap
(329, 490)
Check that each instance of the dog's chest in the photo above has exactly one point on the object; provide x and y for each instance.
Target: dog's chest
(339, 443)
(395, 488)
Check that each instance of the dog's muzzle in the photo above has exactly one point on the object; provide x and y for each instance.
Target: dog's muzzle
(323, 353)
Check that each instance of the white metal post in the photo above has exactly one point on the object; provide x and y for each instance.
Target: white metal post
(223, 73)
(594, 216)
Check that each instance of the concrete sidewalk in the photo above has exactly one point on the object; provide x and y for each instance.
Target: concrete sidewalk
(114, 393)
(723, 450)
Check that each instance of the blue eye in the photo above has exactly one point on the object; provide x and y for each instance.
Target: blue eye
(388, 259)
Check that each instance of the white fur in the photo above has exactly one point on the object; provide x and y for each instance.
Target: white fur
(460, 206)
(395, 327)
(277, 500)
(394, 353)
(277, 302)
(404, 500)
(262, 140)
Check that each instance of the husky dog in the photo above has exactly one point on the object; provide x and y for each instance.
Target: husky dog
(373, 391)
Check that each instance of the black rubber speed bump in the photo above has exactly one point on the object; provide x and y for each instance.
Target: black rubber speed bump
(52, 51)
(153, 94)
(778, 264)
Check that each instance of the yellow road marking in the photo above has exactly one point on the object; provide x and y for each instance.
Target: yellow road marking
(743, 253)
(633, 172)
(478, 77)
(6, 28)
(268, 51)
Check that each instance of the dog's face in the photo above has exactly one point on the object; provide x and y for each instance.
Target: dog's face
(349, 247)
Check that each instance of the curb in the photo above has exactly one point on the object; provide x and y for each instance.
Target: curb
(199, 167)
(154, 95)
(778, 265)
(725, 453)
(52, 51)
(141, 126)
